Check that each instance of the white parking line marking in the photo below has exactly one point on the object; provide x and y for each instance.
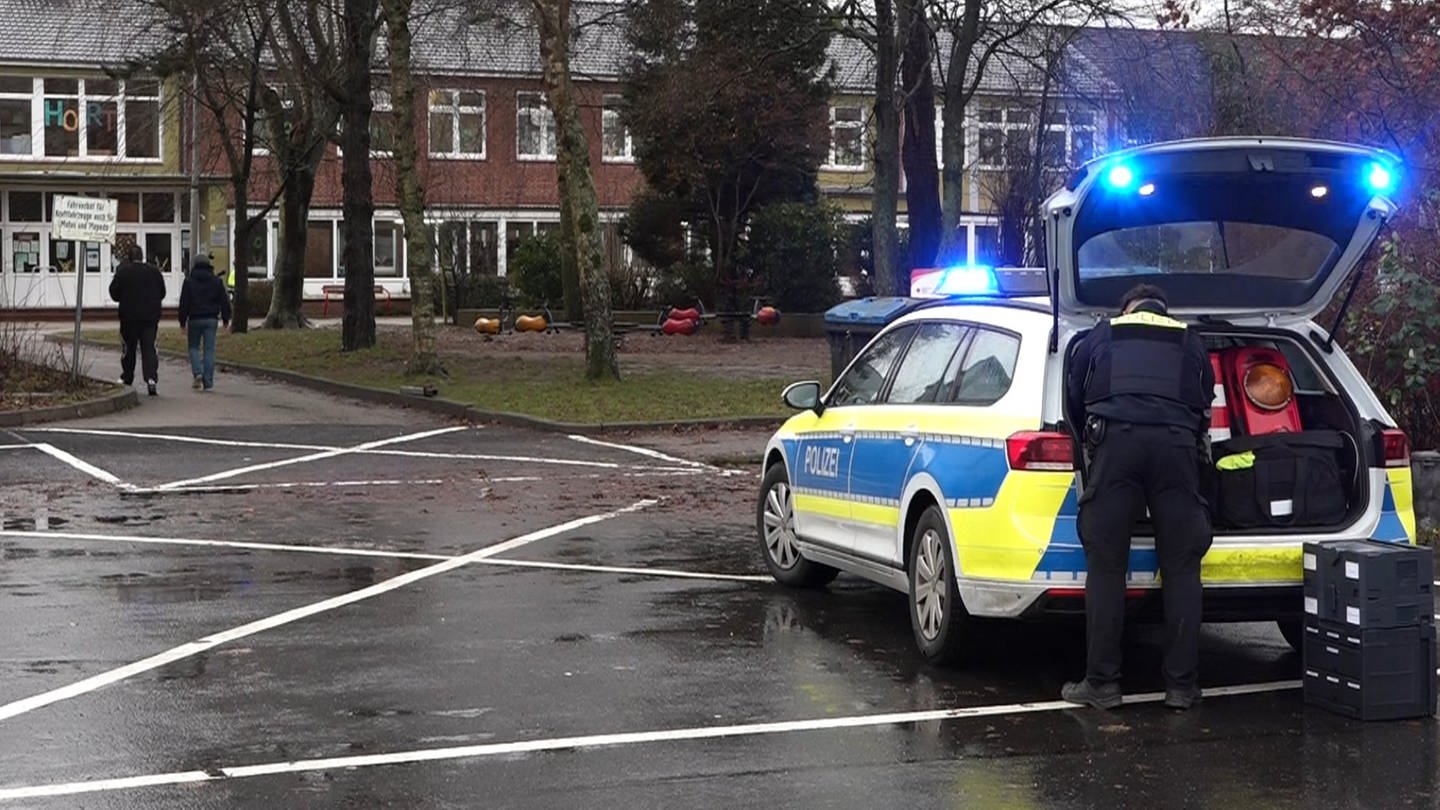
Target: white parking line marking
(15, 446)
(331, 453)
(214, 640)
(644, 451)
(615, 569)
(79, 464)
(609, 465)
(384, 482)
(170, 437)
(599, 741)
(189, 541)
(344, 551)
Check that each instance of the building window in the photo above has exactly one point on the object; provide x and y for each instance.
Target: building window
(847, 138)
(80, 118)
(140, 114)
(534, 128)
(1069, 138)
(1004, 137)
(617, 146)
(457, 123)
(389, 248)
(382, 123)
(15, 103)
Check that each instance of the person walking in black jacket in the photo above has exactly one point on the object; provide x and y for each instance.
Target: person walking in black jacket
(203, 305)
(139, 288)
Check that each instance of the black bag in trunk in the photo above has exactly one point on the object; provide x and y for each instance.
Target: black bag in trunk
(1292, 479)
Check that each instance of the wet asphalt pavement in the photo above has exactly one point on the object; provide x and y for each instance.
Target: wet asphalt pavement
(636, 660)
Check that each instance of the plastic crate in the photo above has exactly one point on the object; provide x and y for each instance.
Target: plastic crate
(1370, 674)
(1366, 584)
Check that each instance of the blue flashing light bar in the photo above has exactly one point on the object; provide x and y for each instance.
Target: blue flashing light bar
(978, 281)
(967, 280)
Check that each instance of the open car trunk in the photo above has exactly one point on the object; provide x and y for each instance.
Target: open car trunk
(1250, 238)
(1320, 417)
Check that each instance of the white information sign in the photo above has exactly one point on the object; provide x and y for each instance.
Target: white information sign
(86, 219)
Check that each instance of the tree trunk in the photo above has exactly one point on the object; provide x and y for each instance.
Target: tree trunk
(244, 239)
(358, 327)
(922, 176)
(424, 359)
(885, 207)
(288, 292)
(569, 270)
(952, 138)
(577, 188)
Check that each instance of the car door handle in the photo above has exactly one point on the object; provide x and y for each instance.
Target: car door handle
(910, 435)
(847, 433)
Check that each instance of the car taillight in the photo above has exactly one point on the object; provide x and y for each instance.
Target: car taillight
(1397, 448)
(1035, 450)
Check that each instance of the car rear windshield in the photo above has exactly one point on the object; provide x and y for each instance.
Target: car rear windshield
(1219, 234)
(1281, 262)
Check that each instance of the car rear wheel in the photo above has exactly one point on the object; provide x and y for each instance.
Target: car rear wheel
(1294, 632)
(937, 617)
(775, 526)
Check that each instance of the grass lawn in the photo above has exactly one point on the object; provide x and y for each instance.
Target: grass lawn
(543, 375)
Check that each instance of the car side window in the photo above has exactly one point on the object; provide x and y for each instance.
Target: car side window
(863, 381)
(921, 374)
(987, 368)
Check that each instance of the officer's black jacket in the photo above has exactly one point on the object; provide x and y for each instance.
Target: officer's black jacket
(1142, 368)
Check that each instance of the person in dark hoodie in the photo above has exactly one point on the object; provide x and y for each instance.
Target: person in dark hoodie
(139, 288)
(203, 306)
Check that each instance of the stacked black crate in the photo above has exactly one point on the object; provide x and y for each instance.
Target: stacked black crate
(1370, 629)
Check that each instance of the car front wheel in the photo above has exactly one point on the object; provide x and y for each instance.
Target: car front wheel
(775, 525)
(937, 617)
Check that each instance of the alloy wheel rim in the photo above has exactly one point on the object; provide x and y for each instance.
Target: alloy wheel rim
(931, 585)
(779, 518)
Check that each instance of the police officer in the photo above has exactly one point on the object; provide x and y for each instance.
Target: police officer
(1141, 386)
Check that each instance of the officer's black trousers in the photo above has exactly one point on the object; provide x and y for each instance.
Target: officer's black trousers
(1137, 466)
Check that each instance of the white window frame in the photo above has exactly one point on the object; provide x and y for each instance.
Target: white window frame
(1005, 126)
(455, 111)
(380, 102)
(832, 156)
(520, 110)
(610, 117)
(82, 98)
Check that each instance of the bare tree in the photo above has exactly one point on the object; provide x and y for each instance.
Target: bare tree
(579, 209)
(221, 46)
(410, 190)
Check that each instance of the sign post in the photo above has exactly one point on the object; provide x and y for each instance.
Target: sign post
(84, 219)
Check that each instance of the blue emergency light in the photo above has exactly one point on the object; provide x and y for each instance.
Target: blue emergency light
(1120, 176)
(1379, 177)
(967, 280)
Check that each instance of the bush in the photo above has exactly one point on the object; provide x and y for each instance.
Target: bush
(258, 292)
(535, 270)
(686, 284)
(791, 249)
(1390, 335)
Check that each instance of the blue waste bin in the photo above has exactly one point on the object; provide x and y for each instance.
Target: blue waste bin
(851, 325)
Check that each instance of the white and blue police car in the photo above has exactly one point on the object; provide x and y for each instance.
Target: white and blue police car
(940, 464)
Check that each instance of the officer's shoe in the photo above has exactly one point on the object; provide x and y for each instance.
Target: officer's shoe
(1181, 699)
(1104, 696)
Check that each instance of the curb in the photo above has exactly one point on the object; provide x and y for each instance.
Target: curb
(453, 409)
(80, 410)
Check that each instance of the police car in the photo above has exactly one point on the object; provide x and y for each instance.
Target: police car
(940, 462)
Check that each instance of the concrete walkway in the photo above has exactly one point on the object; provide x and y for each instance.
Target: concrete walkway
(236, 400)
